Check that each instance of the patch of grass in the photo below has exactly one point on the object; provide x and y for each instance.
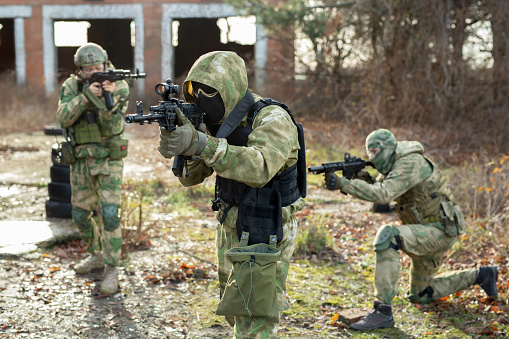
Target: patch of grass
(481, 188)
(139, 197)
(313, 237)
(201, 193)
(180, 201)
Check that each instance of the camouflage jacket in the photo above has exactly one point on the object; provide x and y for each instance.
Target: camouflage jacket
(410, 169)
(73, 102)
(272, 146)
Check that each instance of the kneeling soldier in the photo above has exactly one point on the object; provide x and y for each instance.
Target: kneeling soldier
(431, 222)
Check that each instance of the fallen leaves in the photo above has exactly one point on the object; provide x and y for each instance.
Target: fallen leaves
(335, 317)
(176, 273)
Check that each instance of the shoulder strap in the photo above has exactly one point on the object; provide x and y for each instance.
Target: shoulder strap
(257, 106)
(301, 163)
(235, 117)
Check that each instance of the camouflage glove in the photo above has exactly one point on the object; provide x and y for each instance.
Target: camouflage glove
(334, 182)
(184, 140)
(363, 175)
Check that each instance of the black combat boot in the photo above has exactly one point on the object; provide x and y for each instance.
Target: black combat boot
(379, 317)
(487, 278)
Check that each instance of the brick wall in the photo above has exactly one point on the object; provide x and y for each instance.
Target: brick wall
(40, 59)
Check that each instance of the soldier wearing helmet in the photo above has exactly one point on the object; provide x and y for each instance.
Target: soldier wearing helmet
(431, 222)
(94, 135)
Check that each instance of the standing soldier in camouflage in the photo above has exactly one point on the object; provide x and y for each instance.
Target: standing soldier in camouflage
(97, 149)
(431, 222)
(254, 155)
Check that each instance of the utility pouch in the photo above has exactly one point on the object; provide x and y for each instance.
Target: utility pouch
(66, 153)
(87, 133)
(452, 218)
(260, 214)
(251, 287)
(409, 213)
(117, 148)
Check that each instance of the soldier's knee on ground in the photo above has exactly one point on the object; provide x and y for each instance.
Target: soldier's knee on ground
(110, 216)
(387, 236)
(81, 217)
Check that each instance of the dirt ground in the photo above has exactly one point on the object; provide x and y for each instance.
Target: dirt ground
(41, 296)
(166, 291)
(169, 289)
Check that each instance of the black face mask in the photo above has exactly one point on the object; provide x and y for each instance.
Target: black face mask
(213, 107)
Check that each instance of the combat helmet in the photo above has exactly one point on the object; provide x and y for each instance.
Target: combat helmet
(385, 141)
(90, 54)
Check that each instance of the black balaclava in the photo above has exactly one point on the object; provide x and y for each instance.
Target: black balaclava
(209, 100)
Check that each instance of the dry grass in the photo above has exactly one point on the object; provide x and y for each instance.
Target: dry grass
(477, 171)
(481, 187)
(24, 109)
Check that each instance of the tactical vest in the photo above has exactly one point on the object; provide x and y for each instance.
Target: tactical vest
(87, 130)
(260, 208)
(421, 204)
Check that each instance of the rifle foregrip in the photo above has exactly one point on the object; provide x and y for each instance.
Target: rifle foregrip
(108, 99)
(178, 166)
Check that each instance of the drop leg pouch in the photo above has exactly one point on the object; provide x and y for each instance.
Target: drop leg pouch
(66, 153)
(251, 287)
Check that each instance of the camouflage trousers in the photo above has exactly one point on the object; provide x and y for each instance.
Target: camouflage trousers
(226, 238)
(425, 245)
(98, 183)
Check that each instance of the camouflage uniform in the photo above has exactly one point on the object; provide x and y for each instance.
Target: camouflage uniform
(423, 198)
(96, 179)
(271, 149)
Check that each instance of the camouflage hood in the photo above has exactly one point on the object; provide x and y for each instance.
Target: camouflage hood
(224, 71)
(406, 147)
(385, 141)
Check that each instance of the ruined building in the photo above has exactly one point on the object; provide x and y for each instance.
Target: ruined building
(161, 38)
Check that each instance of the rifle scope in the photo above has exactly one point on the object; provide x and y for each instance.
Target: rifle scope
(166, 89)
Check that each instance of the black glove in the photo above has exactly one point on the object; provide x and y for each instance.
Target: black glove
(332, 181)
(363, 175)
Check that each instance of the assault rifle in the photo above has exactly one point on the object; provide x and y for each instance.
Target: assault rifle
(352, 165)
(114, 75)
(164, 114)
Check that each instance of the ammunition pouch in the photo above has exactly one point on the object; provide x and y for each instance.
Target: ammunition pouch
(251, 288)
(423, 212)
(260, 214)
(409, 213)
(87, 133)
(117, 147)
(66, 153)
(452, 218)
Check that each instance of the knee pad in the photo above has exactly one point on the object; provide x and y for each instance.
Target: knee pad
(425, 296)
(110, 216)
(384, 236)
(81, 217)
